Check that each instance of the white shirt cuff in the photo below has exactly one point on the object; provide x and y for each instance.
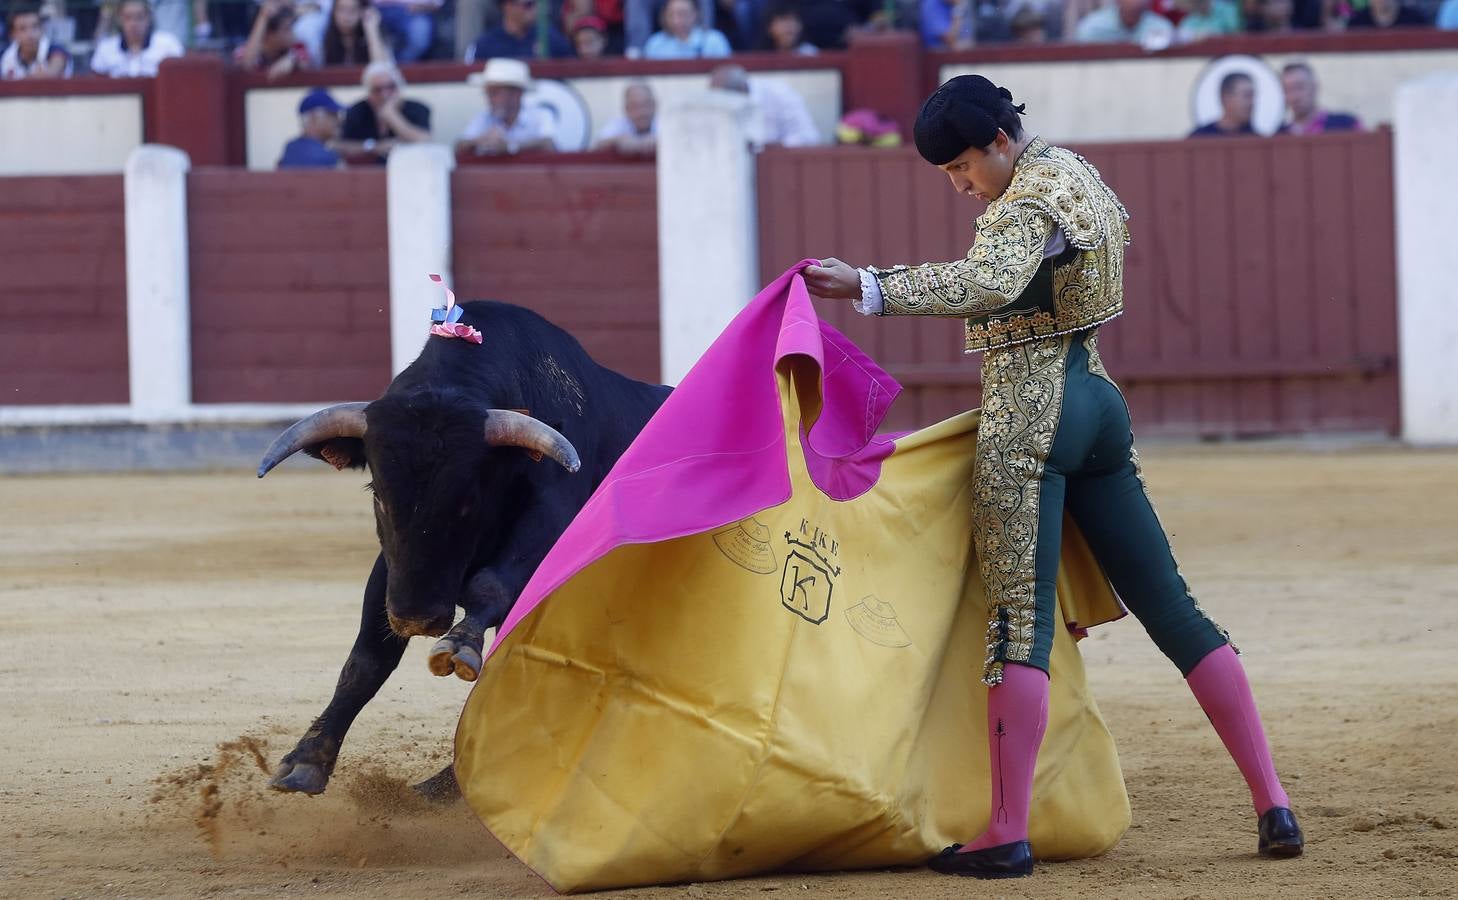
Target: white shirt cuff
(872, 303)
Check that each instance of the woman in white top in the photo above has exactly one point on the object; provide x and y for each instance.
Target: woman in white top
(138, 48)
(682, 38)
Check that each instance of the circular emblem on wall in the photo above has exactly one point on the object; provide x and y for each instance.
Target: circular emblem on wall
(559, 101)
(1270, 100)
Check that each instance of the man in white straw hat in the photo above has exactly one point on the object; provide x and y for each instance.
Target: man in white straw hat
(504, 128)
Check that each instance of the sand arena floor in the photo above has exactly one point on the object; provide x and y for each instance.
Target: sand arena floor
(167, 637)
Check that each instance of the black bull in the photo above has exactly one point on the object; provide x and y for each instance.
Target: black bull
(466, 503)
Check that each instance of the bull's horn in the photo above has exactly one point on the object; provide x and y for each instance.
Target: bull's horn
(505, 428)
(347, 420)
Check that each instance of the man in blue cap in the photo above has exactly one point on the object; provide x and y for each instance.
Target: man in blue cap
(319, 121)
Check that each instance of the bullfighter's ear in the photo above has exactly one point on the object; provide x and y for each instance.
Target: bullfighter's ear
(341, 453)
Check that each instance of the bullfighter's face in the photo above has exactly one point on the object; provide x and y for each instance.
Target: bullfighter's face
(984, 172)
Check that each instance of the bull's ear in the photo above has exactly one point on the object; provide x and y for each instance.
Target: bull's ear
(341, 453)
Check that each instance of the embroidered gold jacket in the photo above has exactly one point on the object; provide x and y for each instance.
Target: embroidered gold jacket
(1004, 288)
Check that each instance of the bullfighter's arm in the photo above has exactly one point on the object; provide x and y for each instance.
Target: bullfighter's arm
(1004, 257)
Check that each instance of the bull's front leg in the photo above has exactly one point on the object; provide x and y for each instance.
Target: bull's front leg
(376, 653)
(486, 602)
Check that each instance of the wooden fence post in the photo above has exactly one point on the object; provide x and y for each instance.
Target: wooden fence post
(707, 226)
(1426, 192)
(159, 337)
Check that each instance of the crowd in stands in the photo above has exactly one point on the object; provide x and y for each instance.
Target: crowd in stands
(331, 136)
(130, 37)
(1300, 87)
(280, 37)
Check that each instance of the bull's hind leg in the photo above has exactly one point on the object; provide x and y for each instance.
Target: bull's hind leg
(486, 602)
(376, 653)
(441, 787)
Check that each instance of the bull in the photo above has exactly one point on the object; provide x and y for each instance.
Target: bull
(465, 504)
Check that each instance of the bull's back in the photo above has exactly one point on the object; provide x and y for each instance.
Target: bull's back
(525, 361)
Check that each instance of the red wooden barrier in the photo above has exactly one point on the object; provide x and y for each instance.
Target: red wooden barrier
(290, 286)
(63, 312)
(1260, 287)
(576, 243)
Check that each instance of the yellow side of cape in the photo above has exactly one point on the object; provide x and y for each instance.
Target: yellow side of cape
(799, 690)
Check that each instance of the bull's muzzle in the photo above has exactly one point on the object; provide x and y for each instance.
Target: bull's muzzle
(434, 627)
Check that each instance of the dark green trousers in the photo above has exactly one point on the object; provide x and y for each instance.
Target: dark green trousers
(1093, 472)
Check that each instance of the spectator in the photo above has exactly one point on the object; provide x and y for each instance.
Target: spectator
(271, 44)
(504, 128)
(829, 23)
(138, 49)
(682, 38)
(31, 54)
(738, 21)
(635, 132)
(169, 16)
(1237, 103)
(384, 119)
(785, 32)
(411, 26)
(946, 24)
(352, 37)
(224, 25)
(1300, 86)
(1074, 11)
(1028, 25)
(1269, 16)
(1126, 21)
(1448, 15)
(569, 11)
(311, 20)
(319, 124)
(612, 13)
(640, 17)
(589, 37)
(516, 36)
(1387, 14)
(1207, 18)
(1325, 14)
(781, 117)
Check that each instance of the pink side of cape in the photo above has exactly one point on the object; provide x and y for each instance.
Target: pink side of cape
(715, 452)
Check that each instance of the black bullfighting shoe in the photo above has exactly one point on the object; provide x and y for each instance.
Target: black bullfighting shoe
(1003, 861)
(1280, 836)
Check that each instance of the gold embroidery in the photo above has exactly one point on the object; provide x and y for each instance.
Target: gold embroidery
(1022, 397)
(1096, 362)
(1003, 259)
(1049, 186)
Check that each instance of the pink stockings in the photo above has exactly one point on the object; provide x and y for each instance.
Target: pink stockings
(1017, 716)
(1218, 682)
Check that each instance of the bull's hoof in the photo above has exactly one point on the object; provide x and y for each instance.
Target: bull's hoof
(451, 655)
(299, 778)
(441, 788)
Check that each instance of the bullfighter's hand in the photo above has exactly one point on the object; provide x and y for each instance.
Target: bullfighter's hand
(833, 280)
